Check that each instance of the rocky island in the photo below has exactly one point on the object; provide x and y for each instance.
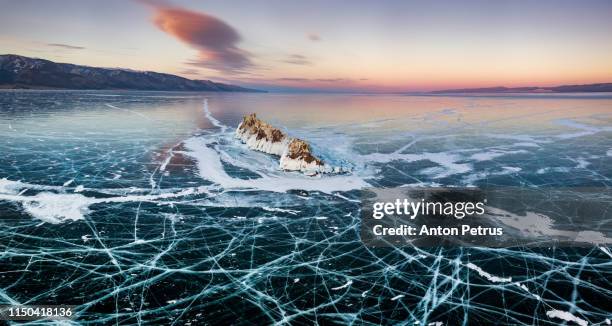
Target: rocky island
(295, 154)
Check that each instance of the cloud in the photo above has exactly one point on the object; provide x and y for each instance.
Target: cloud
(65, 46)
(215, 40)
(333, 80)
(316, 80)
(189, 72)
(297, 59)
(313, 37)
(299, 80)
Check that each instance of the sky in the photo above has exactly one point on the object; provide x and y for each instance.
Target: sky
(363, 46)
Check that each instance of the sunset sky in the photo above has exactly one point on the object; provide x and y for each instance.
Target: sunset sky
(374, 46)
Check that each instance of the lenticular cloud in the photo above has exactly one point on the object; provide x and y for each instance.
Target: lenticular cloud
(215, 40)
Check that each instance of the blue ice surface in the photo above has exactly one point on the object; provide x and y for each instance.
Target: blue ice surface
(104, 206)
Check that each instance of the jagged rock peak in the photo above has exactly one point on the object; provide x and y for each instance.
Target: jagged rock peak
(252, 125)
(295, 154)
(300, 150)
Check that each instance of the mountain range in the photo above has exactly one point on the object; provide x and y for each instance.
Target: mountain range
(20, 72)
(24, 72)
(587, 88)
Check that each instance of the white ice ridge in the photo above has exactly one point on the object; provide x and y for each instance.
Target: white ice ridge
(566, 316)
(585, 130)
(212, 119)
(54, 207)
(210, 167)
(295, 154)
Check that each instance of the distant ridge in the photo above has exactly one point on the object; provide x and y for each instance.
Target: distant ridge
(19, 72)
(604, 87)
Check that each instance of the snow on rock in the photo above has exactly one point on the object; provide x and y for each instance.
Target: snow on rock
(295, 154)
(261, 136)
(297, 157)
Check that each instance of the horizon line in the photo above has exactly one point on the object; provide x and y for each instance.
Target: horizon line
(297, 89)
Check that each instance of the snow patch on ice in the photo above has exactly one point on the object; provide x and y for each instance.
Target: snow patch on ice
(10, 187)
(56, 208)
(539, 225)
(566, 316)
(347, 284)
(274, 209)
(492, 278)
(555, 169)
(399, 296)
(491, 155)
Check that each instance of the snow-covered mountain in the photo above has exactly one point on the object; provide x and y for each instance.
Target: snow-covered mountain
(24, 72)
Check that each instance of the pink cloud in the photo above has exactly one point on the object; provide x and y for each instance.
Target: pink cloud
(215, 40)
(313, 37)
(297, 59)
(65, 46)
